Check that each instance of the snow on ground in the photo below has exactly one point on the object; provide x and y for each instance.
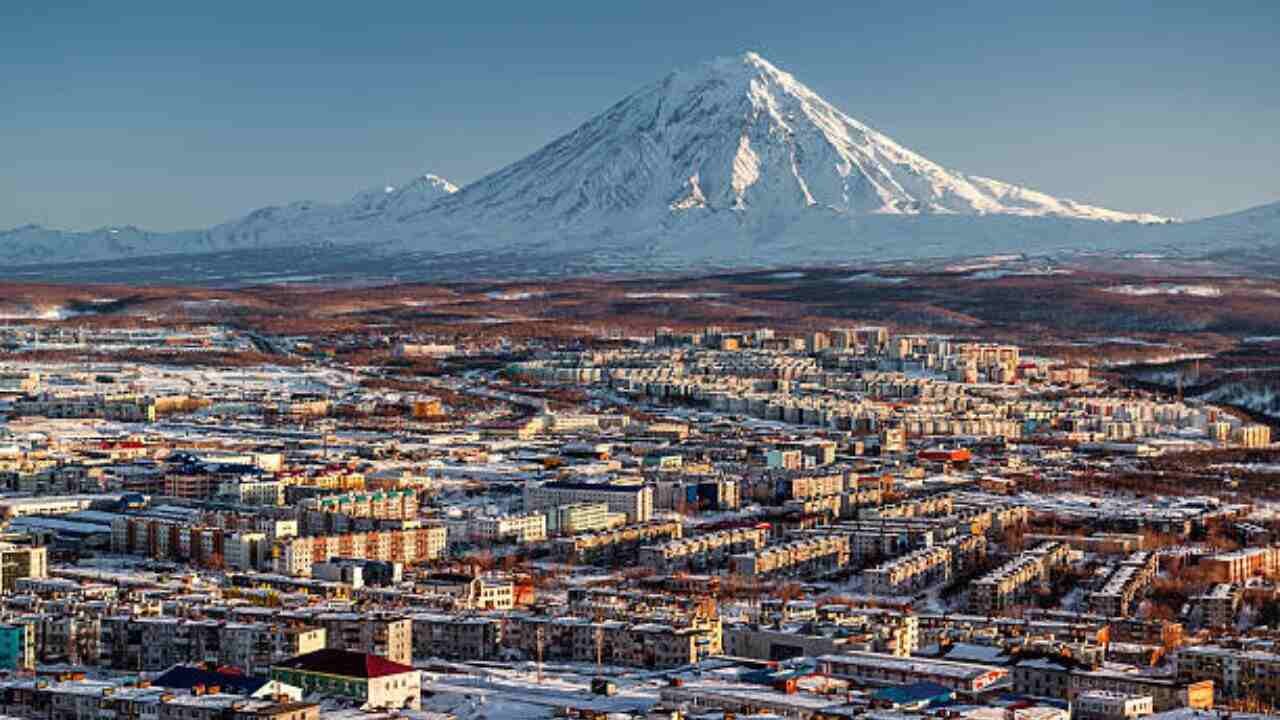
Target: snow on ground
(514, 692)
(1248, 467)
(671, 295)
(1264, 400)
(56, 312)
(1208, 291)
(981, 263)
(869, 278)
(996, 274)
(1122, 340)
(1154, 360)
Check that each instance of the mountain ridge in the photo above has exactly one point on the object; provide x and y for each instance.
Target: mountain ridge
(733, 159)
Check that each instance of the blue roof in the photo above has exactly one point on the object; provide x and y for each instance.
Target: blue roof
(97, 517)
(185, 677)
(915, 693)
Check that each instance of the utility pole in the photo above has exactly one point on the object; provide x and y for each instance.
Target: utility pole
(599, 648)
(541, 638)
(599, 633)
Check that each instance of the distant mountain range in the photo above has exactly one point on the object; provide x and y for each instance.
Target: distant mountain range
(733, 162)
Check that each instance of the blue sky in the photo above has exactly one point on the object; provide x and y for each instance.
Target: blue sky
(171, 114)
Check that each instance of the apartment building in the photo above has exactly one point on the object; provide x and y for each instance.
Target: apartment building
(615, 604)
(246, 551)
(1218, 607)
(470, 592)
(805, 485)
(56, 637)
(456, 637)
(1120, 592)
(76, 699)
(611, 546)
(120, 408)
(579, 518)
(359, 573)
(1166, 693)
(295, 556)
(954, 628)
(385, 635)
(1104, 705)
(17, 646)
(784, 460)
(881, 669)
(867, 630)
(1252, 435)
(910, 573)
(1236, 673)
(702, 552)
(635, 499)
(930, 506)
(21, 561)
(1240, 565)
(169, 539)
(527, 528)
(1014, 581)
(632, 644)
(968, 553)
(252, 490)
(156, 643)
(255, 647)
(1100, 543)
(805, 558)
(1044, 677)
(335, 514)
(696, 494)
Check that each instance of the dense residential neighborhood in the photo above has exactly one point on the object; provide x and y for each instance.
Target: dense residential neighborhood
(825, 523)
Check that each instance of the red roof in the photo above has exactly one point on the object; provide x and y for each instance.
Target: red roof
(345, 663)
(945, 455)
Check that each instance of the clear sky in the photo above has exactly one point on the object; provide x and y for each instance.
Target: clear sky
(181, 114)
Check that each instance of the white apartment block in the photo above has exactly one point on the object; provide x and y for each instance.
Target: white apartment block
(578, 518)
(528, 528)
(632, 498)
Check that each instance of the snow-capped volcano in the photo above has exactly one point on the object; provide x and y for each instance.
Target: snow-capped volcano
(738, 135)
(731, 163)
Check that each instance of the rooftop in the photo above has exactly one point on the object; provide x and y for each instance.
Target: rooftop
(344, 663)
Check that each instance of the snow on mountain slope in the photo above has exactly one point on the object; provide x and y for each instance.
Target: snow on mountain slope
(34, 245)
(735, 135)
(362, 218)
(276, 225)
(731, 162)
(1039, 204)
